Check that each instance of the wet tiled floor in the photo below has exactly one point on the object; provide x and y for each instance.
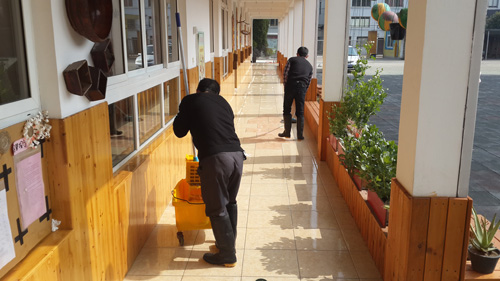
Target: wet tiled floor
(293, 223)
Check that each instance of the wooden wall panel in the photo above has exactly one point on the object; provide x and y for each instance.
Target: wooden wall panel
(427, 237)
(208, 70)
(193, 79)
(323, 127)
(435, 241)
(218, 69)
(312, 90)
(110, 216)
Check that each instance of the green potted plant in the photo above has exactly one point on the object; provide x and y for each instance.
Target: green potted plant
(483, 254)
(352, 157)
(378, 167)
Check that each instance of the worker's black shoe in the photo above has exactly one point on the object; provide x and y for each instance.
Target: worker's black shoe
(288, 126)
(219, 259)
(225, 240)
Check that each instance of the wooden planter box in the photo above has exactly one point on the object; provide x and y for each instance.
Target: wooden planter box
(377, 206)
(374, 236)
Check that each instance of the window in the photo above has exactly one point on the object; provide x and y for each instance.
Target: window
(128, 3)
(14, 84)
(171, 94)
(153, 33)
(173, 50)
(133, 30)
(361, 3)
(389, 44)
(121, 125)
(149, 105)
(360, 21)
(493, 3)
(395, 3)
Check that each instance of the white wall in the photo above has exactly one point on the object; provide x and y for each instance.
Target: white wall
(195, 13)
(309, 26)
(297, 25)
(290, 38)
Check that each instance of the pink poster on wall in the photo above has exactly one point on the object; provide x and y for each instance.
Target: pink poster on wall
(30, 189)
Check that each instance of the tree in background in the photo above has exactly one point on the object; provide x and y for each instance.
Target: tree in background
(493, 22)
(260, 28)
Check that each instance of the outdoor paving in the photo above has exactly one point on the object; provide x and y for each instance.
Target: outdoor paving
(485, 172)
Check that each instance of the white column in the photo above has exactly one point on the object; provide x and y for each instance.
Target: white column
(217, 28)
(310, 28)
(335, 48)
(290, 38)
(298, 20)
(440, 82)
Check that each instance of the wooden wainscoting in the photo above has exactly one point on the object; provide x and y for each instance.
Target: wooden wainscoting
(428, 237)
(324, 127)
(218, 69)
(106, 218)
(193, 79)
(208, 70)
(374, 236)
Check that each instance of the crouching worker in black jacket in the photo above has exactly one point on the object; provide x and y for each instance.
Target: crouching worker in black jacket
(211, 121)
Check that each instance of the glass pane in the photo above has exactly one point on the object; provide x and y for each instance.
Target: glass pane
(153, 32)
(133, 32)
(173, 50)
(121, 126)
(116, 36)
(13, 71)
(171, 93)
(149, 104)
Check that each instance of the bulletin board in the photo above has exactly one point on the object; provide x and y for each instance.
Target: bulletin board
(24, 238)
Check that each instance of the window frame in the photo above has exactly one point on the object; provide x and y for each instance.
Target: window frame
(386, 41)
(18, 111)
(493, 4)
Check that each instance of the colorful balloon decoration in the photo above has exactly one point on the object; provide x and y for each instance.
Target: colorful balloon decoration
(386, 19)
(379, 9)
(403, 17)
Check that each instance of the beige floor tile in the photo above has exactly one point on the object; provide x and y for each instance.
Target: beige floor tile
(270, 278)
(243, 201)
(271, 263)
(246, 178)
(305, 191)
(303, 179)
(332, 190)
(307, 169)
(319, 239)
(244, 189)
(326, 178)
(338, 204)
(205, 239)
(365, 266)
(313, 220)
(268, 178)
(165, 236)
(160, 261)
(211, 278)
(269, 239)
(269, 189)
(269, 168)
(267, 159)
(198, 267)
(345, 219)
(269, 203)
(354, 240)
(273, 219)
(303, 160)
(153, 278)
(316, 203)
(336, 264)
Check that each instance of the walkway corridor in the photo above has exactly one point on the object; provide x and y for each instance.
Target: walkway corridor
(293, 223)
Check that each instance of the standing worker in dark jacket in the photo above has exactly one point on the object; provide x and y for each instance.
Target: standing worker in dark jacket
(211, 121)
(297, 76)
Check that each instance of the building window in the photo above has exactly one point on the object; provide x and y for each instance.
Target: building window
(153, 33)
(493, 3)
(14, 84)
(361, 3)
(389, 44)
(171, 98)
(173, 50)
(395, 3)
(133, 32)
(360, 21)
(128, 3)
(121, 125)
(149, 108)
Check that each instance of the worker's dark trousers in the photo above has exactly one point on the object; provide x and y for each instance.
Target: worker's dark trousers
(220, 176)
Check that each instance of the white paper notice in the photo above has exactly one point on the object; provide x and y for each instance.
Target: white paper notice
(30, 189)
(7, 252)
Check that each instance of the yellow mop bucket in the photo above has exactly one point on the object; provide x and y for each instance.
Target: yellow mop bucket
(189, 209)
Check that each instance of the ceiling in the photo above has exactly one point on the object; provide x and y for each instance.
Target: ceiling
(266, 9)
